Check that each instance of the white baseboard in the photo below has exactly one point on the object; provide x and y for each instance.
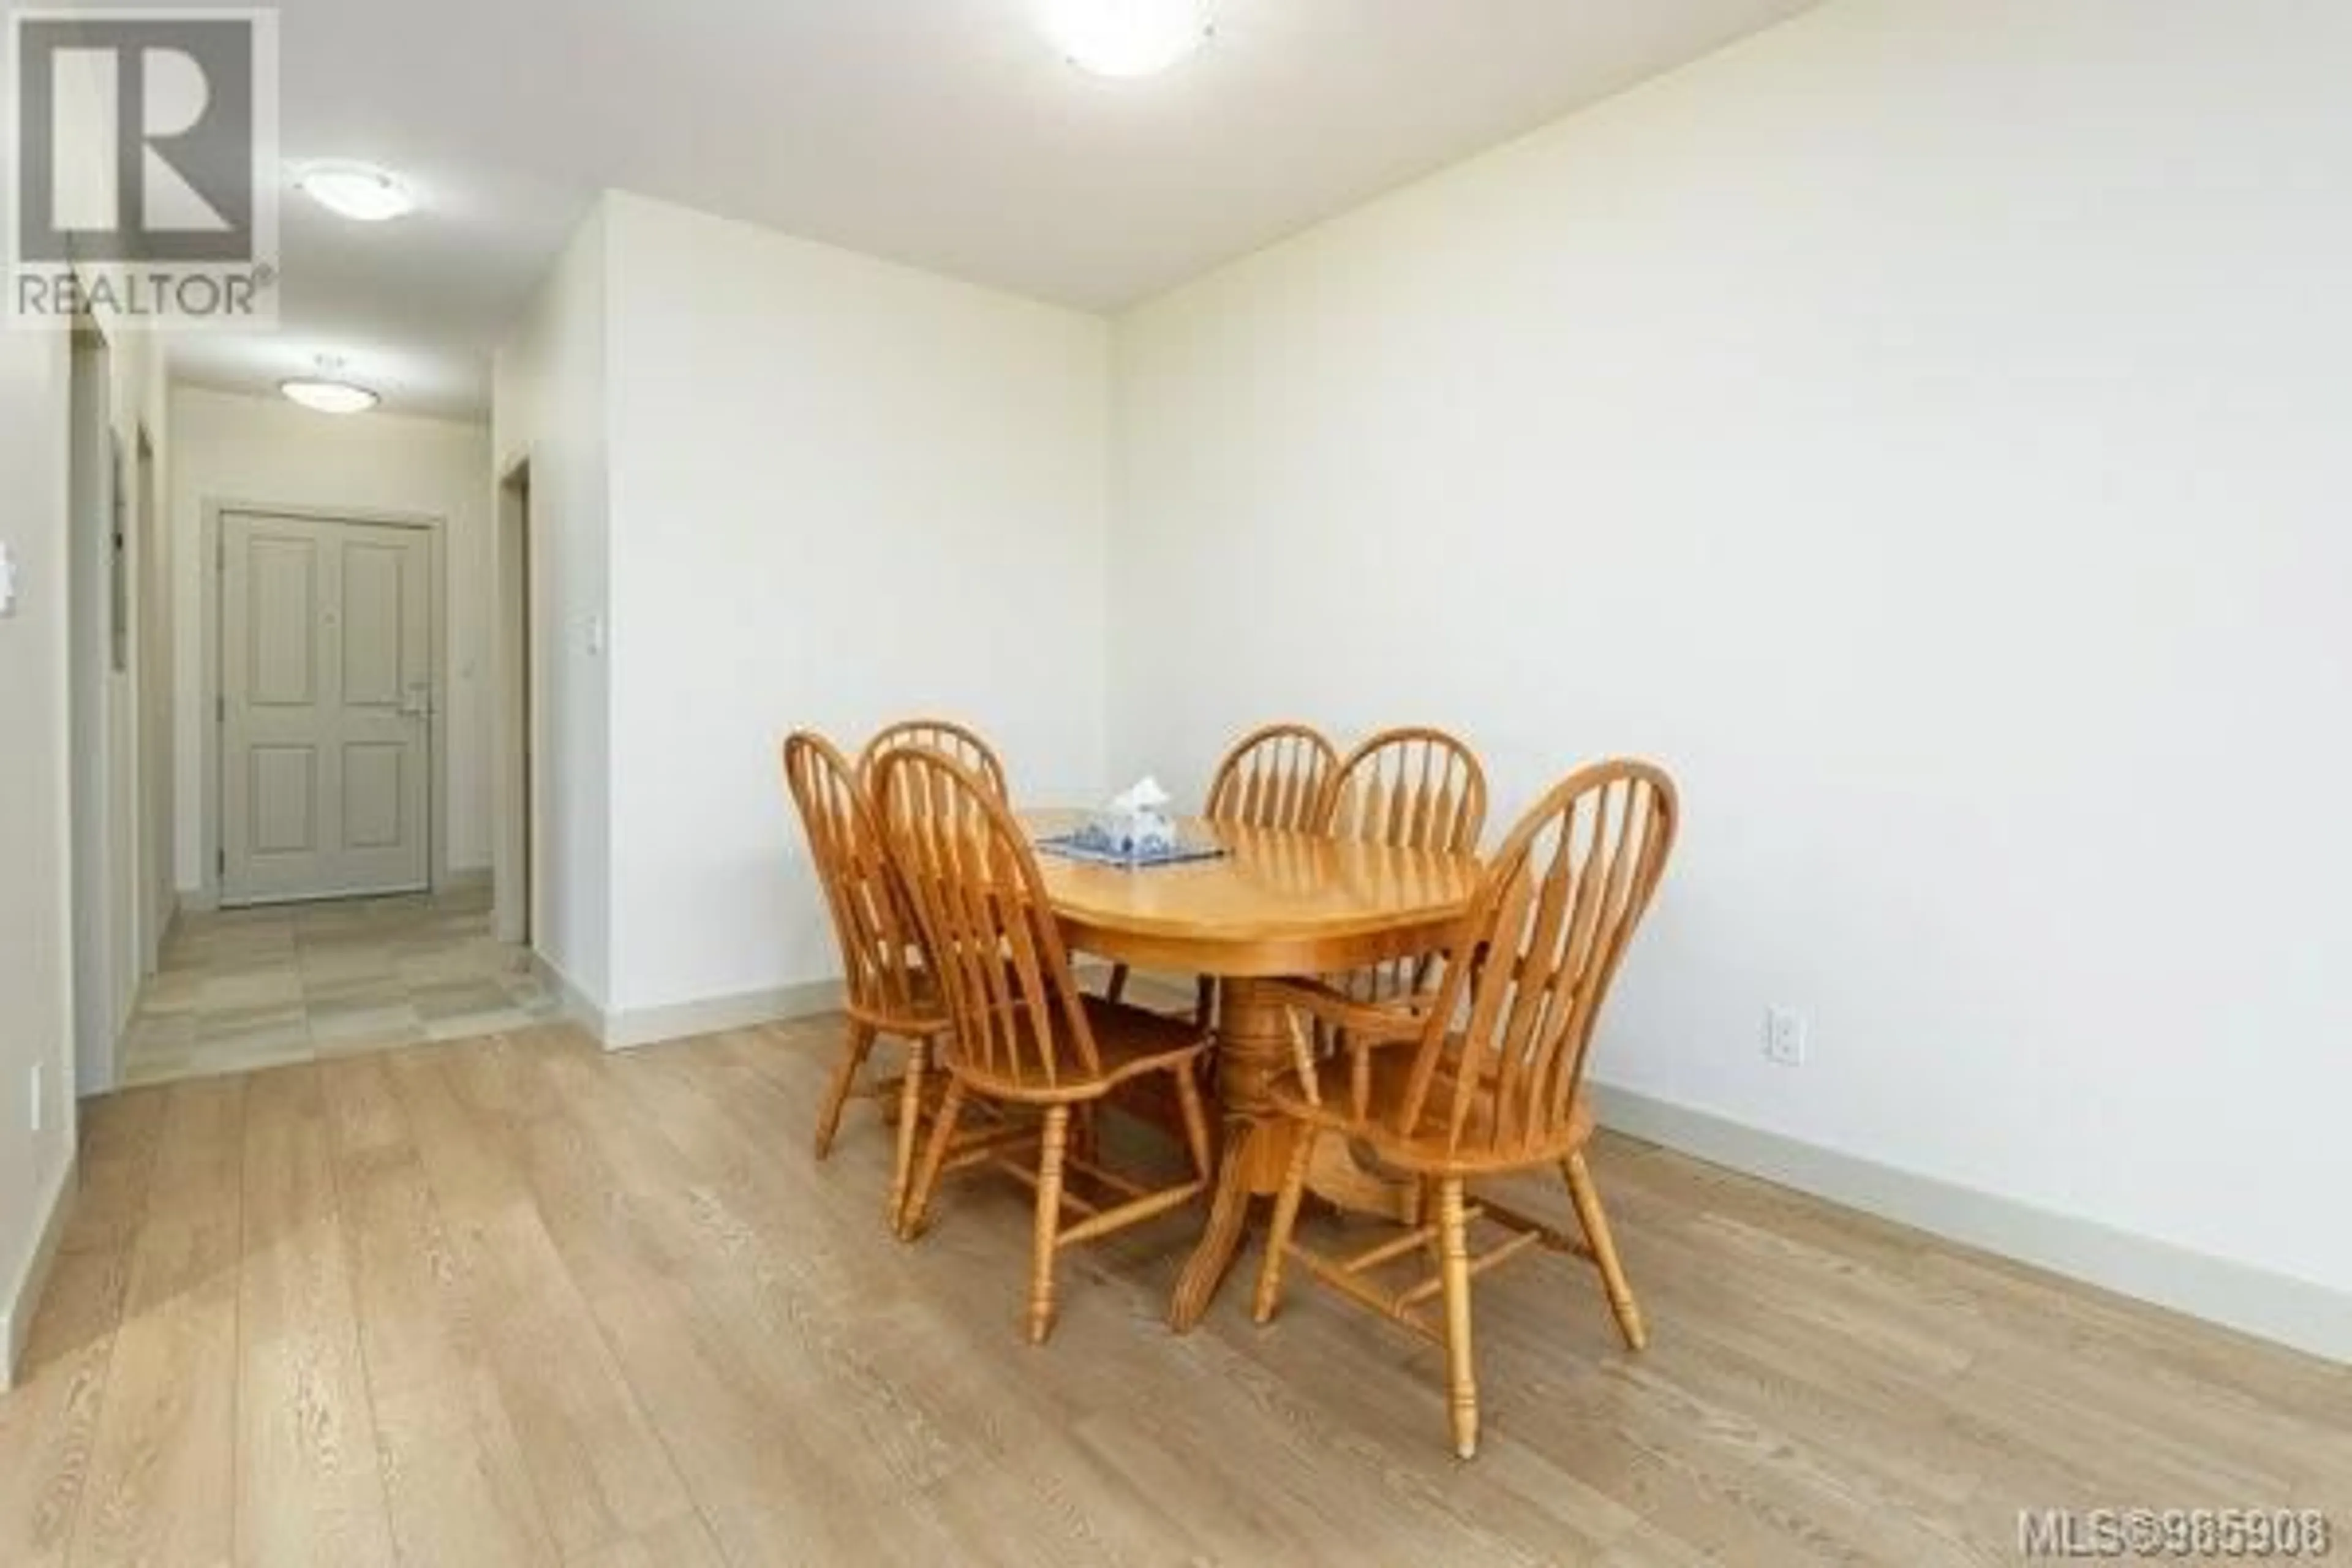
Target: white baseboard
(708, 1016)
(2257, 1301)
(575, 1003)
(621, 1030)
(24, 1299)
(683, 1020)
(204, 900)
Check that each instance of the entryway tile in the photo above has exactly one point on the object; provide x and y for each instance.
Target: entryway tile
(247, 988)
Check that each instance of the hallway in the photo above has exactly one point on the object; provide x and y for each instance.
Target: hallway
(291, 983)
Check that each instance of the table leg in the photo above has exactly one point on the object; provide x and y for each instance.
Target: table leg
(1228, 1211)
(1252, 1047)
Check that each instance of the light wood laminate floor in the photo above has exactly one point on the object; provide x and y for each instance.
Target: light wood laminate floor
(517, 1301)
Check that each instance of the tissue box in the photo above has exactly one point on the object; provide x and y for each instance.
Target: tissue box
(1129, 833)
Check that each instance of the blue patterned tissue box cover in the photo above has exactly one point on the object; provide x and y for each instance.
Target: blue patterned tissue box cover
(1131, 838)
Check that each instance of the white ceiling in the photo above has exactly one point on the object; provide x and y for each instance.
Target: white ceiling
(945, 133)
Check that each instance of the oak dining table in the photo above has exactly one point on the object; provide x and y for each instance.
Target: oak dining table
(1277, 903)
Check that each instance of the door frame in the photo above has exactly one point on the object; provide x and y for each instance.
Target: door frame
(154, 652)
(517, 862)
(92, 857)
(209, 565)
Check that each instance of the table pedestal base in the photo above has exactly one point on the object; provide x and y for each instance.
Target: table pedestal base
(1254, 1048)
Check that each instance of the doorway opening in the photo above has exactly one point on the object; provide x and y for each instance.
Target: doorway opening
(515, 849)
(152, 629)
(323, 705)
(104, 972)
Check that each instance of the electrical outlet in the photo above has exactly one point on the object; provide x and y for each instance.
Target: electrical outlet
(1784, 1037)
(38, 1106)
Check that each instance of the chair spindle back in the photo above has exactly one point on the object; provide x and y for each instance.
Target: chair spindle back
(1505, 1051)
(938, 735)
(1273, 777)
(871, 917)
(1012, 1002)
(1413, 788)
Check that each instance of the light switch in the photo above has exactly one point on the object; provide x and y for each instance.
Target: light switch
(8, 579)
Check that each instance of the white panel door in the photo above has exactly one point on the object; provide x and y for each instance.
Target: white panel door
(326, 689)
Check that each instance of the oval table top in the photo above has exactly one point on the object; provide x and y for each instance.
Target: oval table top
(1278, 902)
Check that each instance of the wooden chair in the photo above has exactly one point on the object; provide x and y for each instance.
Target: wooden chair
(1491, 1082)
(938, 735)
(886, 989)
(1273, 776)
(1023, 1034)
(1416, 789)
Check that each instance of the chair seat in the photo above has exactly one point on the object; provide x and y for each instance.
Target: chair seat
(1130, 1040)
(924, 1012)
(1423, 1146)
(1137, 1039)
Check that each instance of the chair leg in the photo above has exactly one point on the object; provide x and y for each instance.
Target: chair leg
(1048, 1224)
(1454, 1273)
(1286, 1221)
(935, 1153)
(910, 1115)
(1205, 1002)
(1117, 989)
(1587, 1198)
(845, 1075)
(1196, 1123)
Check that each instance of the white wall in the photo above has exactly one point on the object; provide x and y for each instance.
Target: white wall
(550, 406)
(842, 492)
(1923, 427)
(39, 811)
(229, 448)
(35, 977)
(119, 391)
(46, 883)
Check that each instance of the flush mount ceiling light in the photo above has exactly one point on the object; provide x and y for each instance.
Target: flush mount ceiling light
(327, 392)
(1125, 37)
(356, 191)
(329, 397)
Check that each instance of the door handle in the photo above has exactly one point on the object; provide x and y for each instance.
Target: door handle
(417, 700)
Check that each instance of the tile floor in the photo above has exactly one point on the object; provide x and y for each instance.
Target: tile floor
(291, 983)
